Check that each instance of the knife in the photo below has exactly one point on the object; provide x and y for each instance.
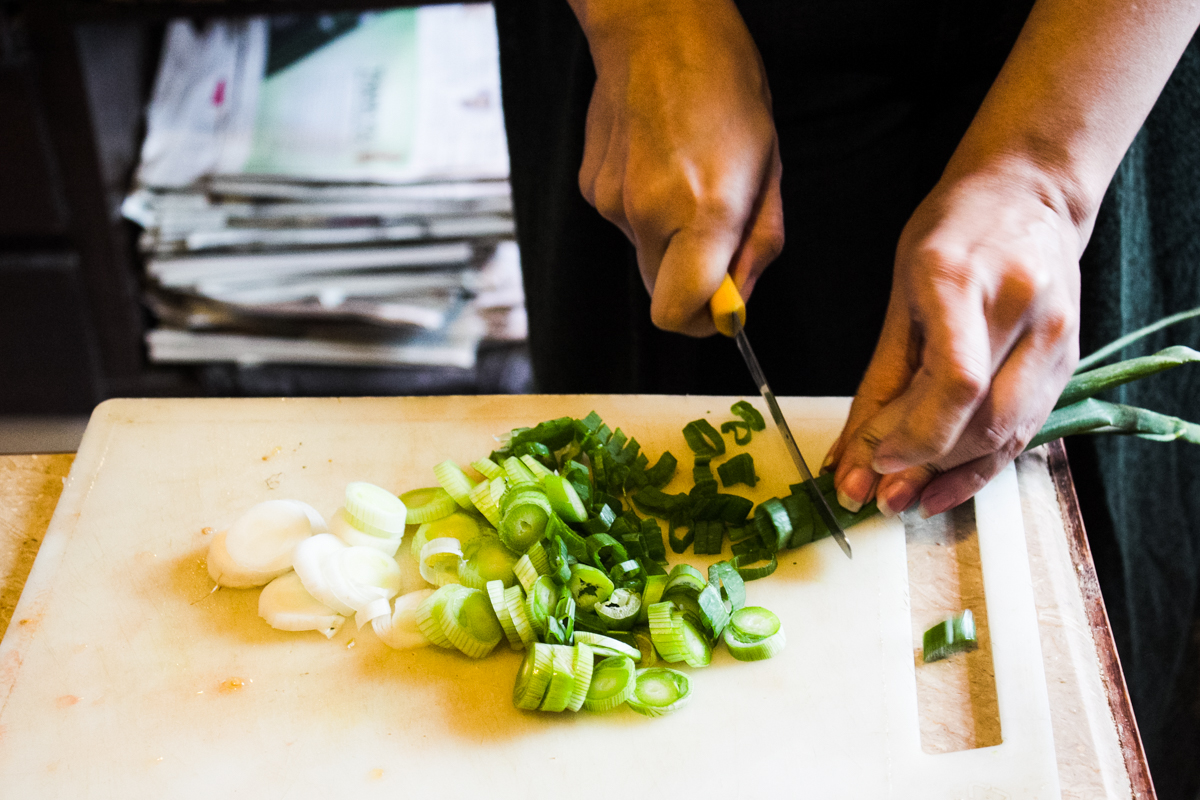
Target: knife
(729, 315)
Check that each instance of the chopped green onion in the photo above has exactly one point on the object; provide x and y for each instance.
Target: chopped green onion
(739, 469)
(729, 583)
(440, 561)
(562, 679)
(620, 611)
(754, 634)
(589, 586)
(749, 573)
(773, 524)
(429, 614)
(533, 678)
(660, 691)
(652, 593)
(459, 525)
(606, 645)
(680, 543)
(583, 665)
(540, 603)
(470, 623)
(427, 505)
(740, 430)
(496, 594)
(645, 645)
(539, 558)
(482, 498)
(526, 572)
(564, 499)
(954, 635)
(750, 414)
(524, 519)
(662, 471)
(455, 481)
(485, 558)
(576, 545)
(517, 473)
(703, 438)
(535, 467)
(514, 600)
(488, 468)
(613, 682)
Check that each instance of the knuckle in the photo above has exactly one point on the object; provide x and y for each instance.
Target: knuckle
(964, 383)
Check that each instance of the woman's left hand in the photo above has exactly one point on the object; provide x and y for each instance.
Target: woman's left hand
(979, 339)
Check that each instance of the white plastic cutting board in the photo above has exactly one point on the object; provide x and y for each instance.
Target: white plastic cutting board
(123, 680)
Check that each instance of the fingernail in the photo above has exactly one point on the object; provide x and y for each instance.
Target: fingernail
(933, 504)
(896, 498)
(855, 488)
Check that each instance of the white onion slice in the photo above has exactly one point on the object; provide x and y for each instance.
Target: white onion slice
(373, 611)
(287, 606)
(309, 560)
(440, 559)
(263, 538)
(227, 572)
(360, 575)
(400, 630)
(314, 517)
(342, 527)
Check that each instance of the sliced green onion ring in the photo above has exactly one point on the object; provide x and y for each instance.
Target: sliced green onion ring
(614, 680)
(428, 504)
(440, 561)
(620, 611)
(606, 645)
(470, 623)
(754, 634)
(660, 691)
(583, 665)
(533, 678)
(451, 478)
(589, 586)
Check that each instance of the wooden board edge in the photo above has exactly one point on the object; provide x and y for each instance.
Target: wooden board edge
(1097, 616)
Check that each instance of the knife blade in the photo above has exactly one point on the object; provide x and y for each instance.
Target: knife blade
(733, 314)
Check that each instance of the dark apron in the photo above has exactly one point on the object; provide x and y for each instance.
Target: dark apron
(870, 100)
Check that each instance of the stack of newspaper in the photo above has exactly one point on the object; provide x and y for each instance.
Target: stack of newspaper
(329, 189)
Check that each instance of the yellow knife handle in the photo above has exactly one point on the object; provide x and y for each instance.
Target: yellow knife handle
(724, 304)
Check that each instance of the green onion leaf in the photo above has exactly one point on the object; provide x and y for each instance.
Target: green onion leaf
(750, 414)
(954, 635)
(725, 577)
(703, 438)
(739, 469)
(740, 430)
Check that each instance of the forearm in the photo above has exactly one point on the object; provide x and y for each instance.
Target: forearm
(1073, 93)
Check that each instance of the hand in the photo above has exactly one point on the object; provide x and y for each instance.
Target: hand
(979, 339)
(681, 152)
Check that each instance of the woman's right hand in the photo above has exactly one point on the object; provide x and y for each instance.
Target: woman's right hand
(680, 151)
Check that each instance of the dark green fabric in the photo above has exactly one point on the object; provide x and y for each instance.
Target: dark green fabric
(1142, 499)
(870, 100)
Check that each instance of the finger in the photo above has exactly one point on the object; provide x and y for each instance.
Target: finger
(887, 375)
(952, 380)
(694, 264)
(958, 485)
(900, 491)
(763, 241)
